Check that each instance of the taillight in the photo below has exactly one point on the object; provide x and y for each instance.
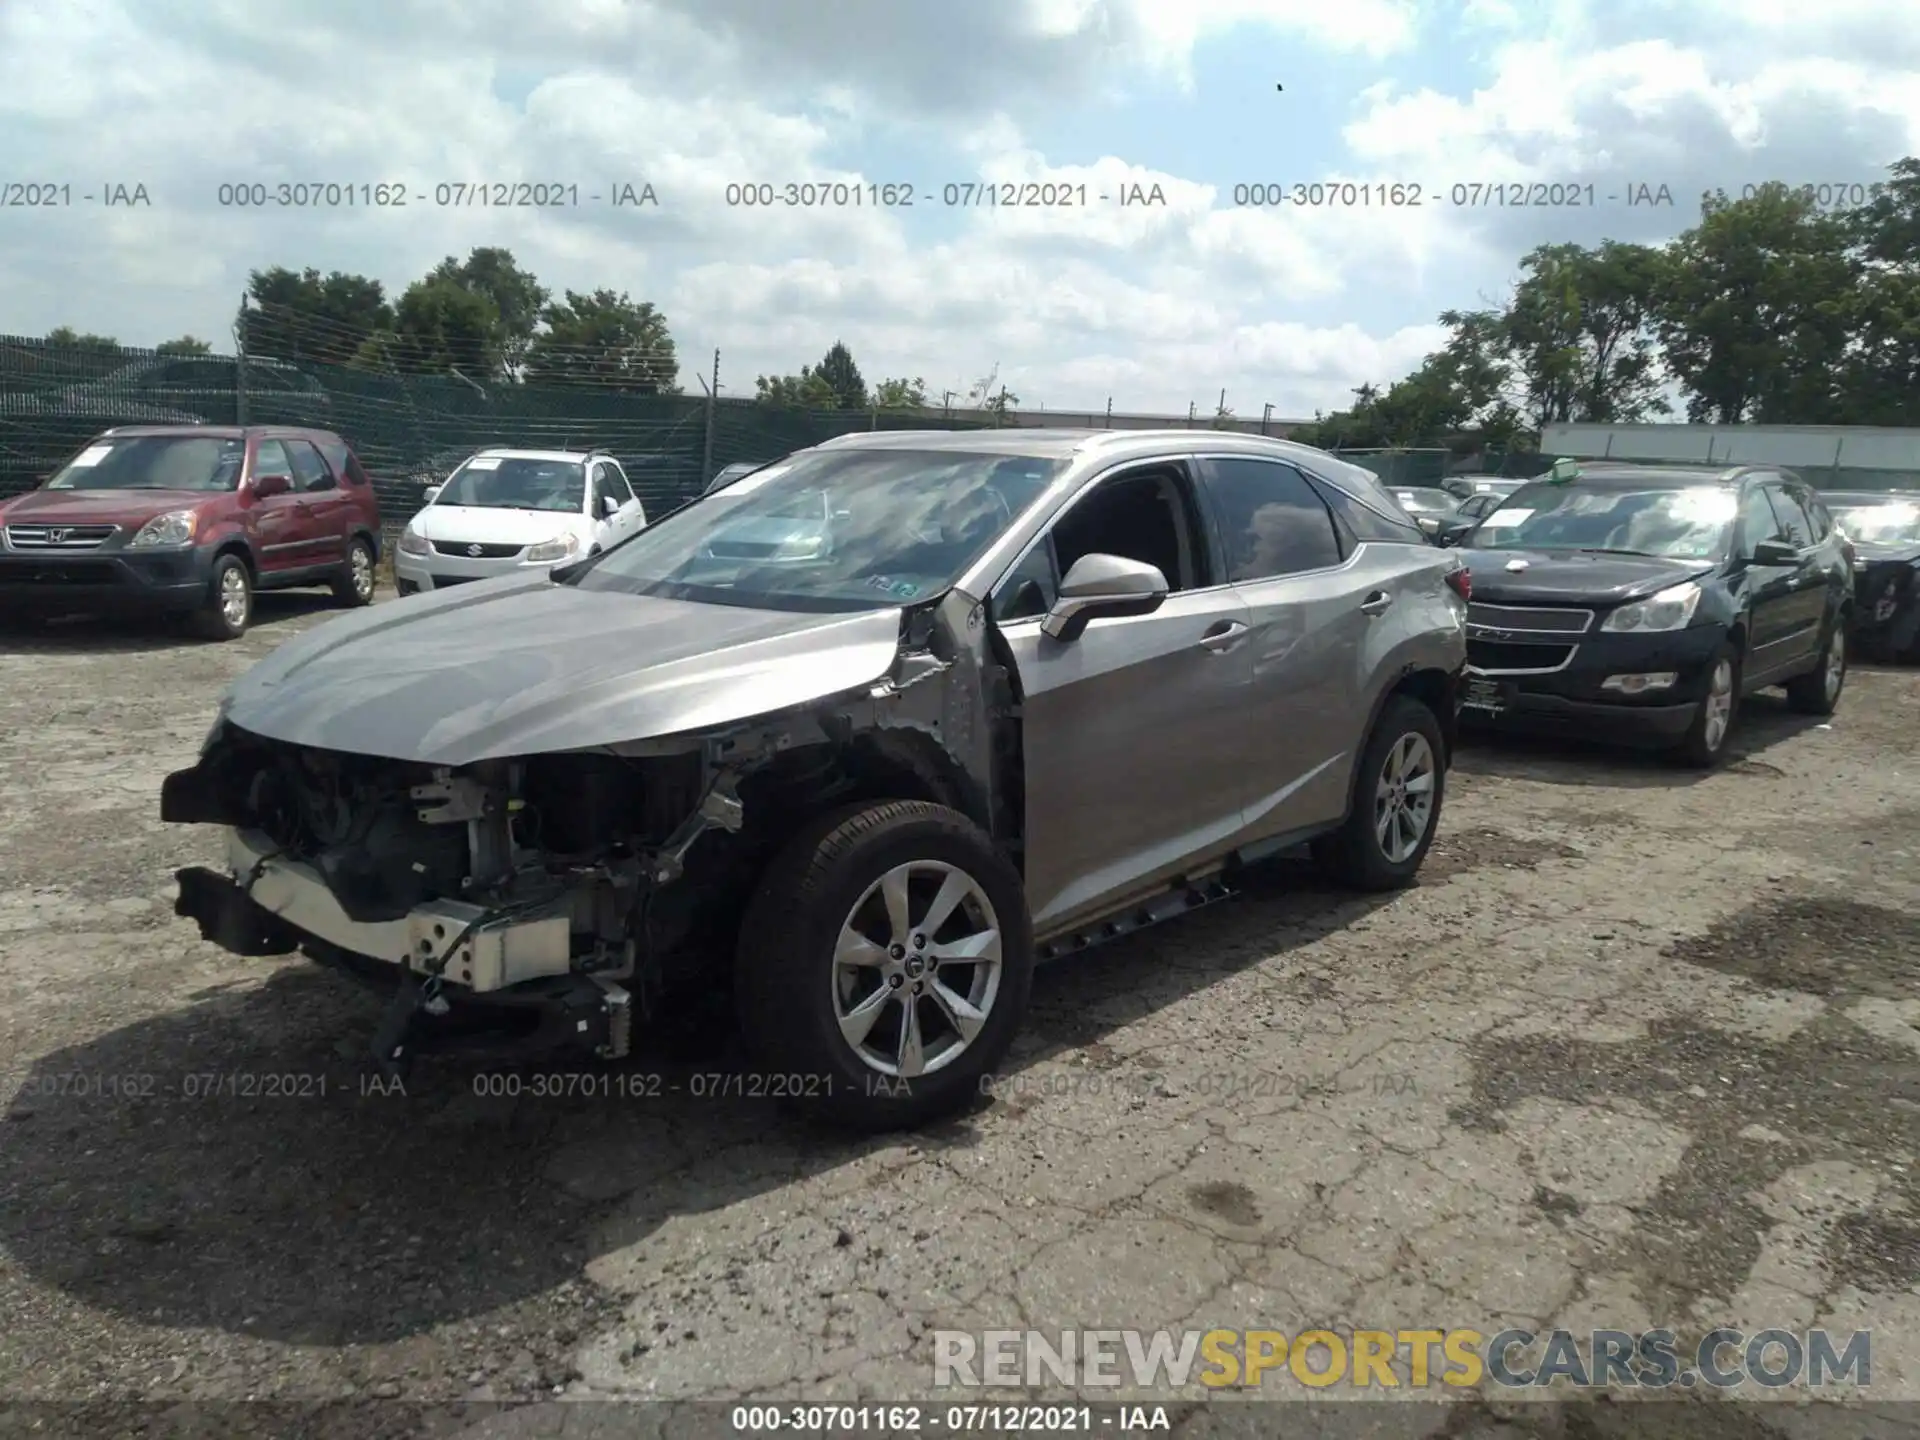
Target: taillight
(1462, 582)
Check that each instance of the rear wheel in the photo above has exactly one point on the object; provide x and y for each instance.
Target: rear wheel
(884, 966)
(1396, 805)
(229, 606)
(1818, 691)
(355, 583)
(1706, 739)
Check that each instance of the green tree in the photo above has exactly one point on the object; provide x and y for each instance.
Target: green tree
(843, 377)
(604, 339)
(900, 394)
(517, 299)
(440, 326)
(1881, 381)
(809, 390)
(308, 316)
(1579, 333)
(1757, 308)
(65, 337)
(185, 345)
(1003, 403)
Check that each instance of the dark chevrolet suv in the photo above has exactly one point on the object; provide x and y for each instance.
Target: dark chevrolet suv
(1885, 530)
(192, 520)
(1641, 604)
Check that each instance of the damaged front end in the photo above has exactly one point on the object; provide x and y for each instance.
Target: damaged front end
(554, 901)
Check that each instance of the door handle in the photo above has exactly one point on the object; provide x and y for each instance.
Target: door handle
(1222, 636)
(1376, 604)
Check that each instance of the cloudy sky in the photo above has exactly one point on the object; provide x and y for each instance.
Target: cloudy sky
(1156, 307)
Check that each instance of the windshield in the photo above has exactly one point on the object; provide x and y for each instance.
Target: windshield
(1426, 502)
(489, 482)
(884, 527)
(1683, 524)
(155, 462)
(1890, 524)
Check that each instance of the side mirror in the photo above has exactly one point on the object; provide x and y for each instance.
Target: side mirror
(1429, 525)
(430, 494)
(1099, 586)
(1454, 531)
(608, 507)
(265, 487)
(1776, 552)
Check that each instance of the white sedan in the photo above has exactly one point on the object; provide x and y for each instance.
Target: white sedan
(503, 510)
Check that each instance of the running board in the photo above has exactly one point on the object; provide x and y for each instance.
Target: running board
(1168, 906)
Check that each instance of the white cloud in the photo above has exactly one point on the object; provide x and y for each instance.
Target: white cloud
(1156, 306)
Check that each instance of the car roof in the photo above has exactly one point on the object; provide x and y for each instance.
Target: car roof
(508, 452)
(1871, 497)
(1649, 477)
(1046, 443)
(220, 432)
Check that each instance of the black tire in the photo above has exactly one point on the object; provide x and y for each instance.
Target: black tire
(357, 580)
(1810, 693)
(785, 979)
(1353, 855)
(212, 621)
(1698, 748)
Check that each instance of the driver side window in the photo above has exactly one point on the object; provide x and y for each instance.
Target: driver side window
(1143, 515)
(1757, 521)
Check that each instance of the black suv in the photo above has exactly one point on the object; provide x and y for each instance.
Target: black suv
(1884, 527)
(1641, 604)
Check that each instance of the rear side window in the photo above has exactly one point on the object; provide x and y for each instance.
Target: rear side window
(1795, 523)
(1363, 521)
(1816, 512)
(1272, 522)
(343, 461)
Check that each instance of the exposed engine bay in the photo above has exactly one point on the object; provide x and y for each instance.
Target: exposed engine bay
(589, 888)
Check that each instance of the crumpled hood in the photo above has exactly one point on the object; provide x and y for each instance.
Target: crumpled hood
(520, 665)
(1570, 577)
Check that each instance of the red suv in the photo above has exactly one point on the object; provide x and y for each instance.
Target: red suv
(192, 519)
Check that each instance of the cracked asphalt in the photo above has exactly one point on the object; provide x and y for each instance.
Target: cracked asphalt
(1641, 1049)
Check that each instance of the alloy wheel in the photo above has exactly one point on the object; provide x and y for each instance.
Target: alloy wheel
(1403, 798)
(234, 601)
(1836, 664)
(362, 562)
(1719, 705)
(916, 969)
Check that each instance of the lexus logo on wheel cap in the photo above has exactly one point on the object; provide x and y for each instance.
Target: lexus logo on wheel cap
(475, 551)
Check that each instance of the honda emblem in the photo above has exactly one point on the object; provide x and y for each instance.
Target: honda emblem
(58, 537)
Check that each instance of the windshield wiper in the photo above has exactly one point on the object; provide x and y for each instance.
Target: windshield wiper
(1605, 550)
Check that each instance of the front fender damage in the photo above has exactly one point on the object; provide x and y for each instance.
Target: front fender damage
(647, 850)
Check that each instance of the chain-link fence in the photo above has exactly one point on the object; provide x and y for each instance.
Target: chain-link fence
(410, 430)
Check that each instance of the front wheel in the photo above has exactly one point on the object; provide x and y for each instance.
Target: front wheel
(229, 606)
(1818, 691)
(355, 583)
(1396, 806)
(1706, 739)
(884, 965)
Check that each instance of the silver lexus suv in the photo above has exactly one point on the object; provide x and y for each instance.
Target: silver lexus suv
(1031, 690)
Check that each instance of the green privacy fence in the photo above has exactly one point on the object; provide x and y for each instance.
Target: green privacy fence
(409, 430)
(1430, 466)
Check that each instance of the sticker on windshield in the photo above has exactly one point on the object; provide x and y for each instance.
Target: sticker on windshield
(485, 462)
(1506, 517)
(92, 455)
(906, 590)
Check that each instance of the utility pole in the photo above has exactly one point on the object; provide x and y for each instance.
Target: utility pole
(713, 392)
(1220, 411)
(1193, 410)
(240, 363)
(1109, 412)
(1000, 409)
(1265, 416)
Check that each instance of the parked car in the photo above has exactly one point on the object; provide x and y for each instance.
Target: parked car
(507, 510)
(727, 474)
(1430, 507)
(1885, 530)
(1472, 510)
(1053, 686)
(1643, 603)
(192, 520)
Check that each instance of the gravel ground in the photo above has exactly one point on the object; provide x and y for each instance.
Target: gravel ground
(1642, 1047)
